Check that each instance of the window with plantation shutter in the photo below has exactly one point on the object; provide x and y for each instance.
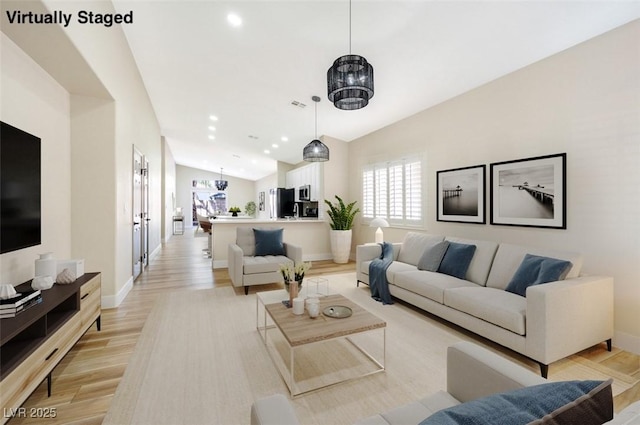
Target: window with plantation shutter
(393, 190)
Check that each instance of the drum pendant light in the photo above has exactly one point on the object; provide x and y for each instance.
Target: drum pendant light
(221, 184)
(316, 151)
(350, 80)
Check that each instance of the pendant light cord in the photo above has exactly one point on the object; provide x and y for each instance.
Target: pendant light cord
(349, 26)
(316, 131)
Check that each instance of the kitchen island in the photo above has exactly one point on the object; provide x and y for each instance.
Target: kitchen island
(311, 234)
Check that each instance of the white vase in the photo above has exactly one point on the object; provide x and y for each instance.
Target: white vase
(341, 245)
(46, 265)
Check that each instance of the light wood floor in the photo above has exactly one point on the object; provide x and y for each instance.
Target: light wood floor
(85, 381)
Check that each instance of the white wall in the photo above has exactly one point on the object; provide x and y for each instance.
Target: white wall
(239, 191)
(34, 102)
(263, 185)
(168, 191)
(583, 101)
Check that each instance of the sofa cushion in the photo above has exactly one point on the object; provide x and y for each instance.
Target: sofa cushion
(432, 256)
(414, 412)
(567, 402)
(264, 264)
(536, 270)
(482, 259)
(413, 245)
(456, 260)
(398, 267)
(429, 284)
(492, 305)
(509, 257)
(269, 241)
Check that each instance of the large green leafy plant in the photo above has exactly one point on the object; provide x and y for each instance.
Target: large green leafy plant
(341, 215)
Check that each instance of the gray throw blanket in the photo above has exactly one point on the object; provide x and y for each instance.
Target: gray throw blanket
(378, 275)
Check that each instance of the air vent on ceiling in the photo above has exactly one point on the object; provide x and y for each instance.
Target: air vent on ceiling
(298, 104)
(251, 136)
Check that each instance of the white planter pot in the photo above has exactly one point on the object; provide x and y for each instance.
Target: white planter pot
(341, 245)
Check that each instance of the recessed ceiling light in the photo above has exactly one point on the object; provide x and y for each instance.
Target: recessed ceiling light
(234, 20)
(213, 118)
(212, 128)
(267, 151)
(284, 138)
(275, 145)
(211, 137)
(253, 161)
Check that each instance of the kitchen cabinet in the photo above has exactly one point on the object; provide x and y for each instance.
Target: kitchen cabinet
(312, 175)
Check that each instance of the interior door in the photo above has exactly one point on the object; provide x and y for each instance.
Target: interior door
(137, 213)
(145, 212)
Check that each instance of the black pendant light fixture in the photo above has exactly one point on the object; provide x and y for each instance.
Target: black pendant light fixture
(221, 184)
(316, 151)
(350, 80)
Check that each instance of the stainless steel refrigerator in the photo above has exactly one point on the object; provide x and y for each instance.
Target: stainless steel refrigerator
(281, 202)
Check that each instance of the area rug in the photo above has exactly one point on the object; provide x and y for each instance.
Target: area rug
(200, 360)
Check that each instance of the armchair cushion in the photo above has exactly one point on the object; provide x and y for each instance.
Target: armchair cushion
(269, 242)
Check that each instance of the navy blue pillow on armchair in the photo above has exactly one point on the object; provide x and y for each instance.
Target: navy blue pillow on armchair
(269, 242)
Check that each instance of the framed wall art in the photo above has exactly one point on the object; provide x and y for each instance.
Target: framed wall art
(461, 194)
(261, 201)
(530, 192)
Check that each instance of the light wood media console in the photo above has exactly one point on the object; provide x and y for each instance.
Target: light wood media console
(34, 342)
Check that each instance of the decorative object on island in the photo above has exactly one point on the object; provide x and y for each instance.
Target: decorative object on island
(379, 222)
(250, 208)
(315, 151)
(221, 184)
(530, 192)
(234, 211)
(461, 194)
(350, 80)
(341, 216)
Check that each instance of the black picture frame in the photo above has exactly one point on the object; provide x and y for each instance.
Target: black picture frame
(461, 195)
(261, 201)
(530, 192)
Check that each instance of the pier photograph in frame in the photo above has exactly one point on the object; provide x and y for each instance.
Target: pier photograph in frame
(461, 194)
(529, 192)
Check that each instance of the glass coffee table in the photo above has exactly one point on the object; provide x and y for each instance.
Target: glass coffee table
(315, 353)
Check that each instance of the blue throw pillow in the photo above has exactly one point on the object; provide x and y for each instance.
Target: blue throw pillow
(269, 242)
(567, 402)
(535, 270)
(457, 259)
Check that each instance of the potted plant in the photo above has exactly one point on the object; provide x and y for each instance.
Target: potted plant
(234, 211)
(341, 216)
(250, 208)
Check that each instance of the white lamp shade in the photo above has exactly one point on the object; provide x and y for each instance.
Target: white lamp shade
(379, 222)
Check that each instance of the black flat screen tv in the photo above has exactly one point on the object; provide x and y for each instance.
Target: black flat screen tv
(20, 188)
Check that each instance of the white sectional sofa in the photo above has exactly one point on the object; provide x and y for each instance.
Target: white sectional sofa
(553, 321)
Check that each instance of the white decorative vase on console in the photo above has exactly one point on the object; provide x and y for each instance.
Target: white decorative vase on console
(46, 265)
(340, 245)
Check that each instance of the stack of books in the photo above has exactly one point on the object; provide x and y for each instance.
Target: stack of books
(19, 303)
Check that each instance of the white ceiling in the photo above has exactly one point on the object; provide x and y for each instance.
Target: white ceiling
(195, 64)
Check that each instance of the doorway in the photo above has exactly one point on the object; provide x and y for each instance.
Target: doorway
(140, 209)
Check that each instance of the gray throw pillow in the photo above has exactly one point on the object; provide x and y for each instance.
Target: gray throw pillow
(556, 403)
(432, 256)
(269, 242)
(535, 270)
(457, 259)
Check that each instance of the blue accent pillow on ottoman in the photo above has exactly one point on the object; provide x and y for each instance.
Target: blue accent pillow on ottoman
(556, 403)
(457, 259)
(535, 270)
(269, 242)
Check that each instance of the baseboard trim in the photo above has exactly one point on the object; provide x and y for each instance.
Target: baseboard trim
(626, 342)
(155, 252)
(113, 301)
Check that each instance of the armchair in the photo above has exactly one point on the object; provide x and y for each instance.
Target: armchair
(257, 261)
